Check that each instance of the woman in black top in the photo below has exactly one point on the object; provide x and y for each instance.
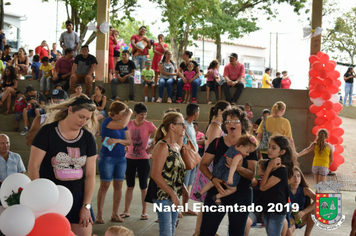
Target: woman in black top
(349, 84)
(9, 87)
(235, 123)
(274, 184)
(195, 80)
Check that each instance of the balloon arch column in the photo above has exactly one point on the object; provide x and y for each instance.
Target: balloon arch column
(324, 86)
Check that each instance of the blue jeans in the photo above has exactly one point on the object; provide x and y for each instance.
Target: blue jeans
(165, 82)
(349, 87)
(195, 86)
(46, 79)
(140, 61)
(112, 168)
(273, 223)
(167, 220)
(189, 177)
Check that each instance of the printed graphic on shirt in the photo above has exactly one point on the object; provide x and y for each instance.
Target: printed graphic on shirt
(137, 143)
(69, 166)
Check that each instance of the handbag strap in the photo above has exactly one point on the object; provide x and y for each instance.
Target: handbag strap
(264, 124)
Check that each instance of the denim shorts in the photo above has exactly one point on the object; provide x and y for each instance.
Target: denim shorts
(112, 168)
(320, 170)
(32, 113)
(103, 113)
(149, 85)
(18, 116)
(73, 215)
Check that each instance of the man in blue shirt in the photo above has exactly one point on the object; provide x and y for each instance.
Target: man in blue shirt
(10, 162)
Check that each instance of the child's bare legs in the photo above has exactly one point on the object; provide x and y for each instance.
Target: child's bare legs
(156, 77)
(146, 90)
(185, 96)
(153, 89)
(248, 226)
(188, 92)
(207, 94)
(219, 90)
(204, 189)
(319, 178)
(228, 191)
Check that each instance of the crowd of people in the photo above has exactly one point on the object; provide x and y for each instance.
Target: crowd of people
(232, 150)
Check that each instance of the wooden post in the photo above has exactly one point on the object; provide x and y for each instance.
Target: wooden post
(102, 42)
(317, 10)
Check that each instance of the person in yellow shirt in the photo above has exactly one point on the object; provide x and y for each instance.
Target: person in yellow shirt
(266, 79)
(45, 74)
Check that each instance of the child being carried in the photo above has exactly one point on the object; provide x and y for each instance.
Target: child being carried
(244, 146)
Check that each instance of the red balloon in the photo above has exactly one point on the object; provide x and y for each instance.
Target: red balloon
(339, 149)
(333, 166)
(338, 159)
(326, 95)
(328, 105)
(341, 140)
(313, 73)
(314, 94)
(311, 87)
(319, 121)
(320, 113)
(319, 87)
(314, 81)
(323, 74)
(313, 58)
(329, 66)
(334, 62)
(337, 107)
(332, 89)
(317, 66)
(53, 224)
(334, 140)
(329, 125)
(337, 83)
(315, 129)
(334, 74)
(71, 233)
(337, 121)
(324, 58)
(314, 109)
(337, 132)
(319, 54)
(330, 114)
(328, 81)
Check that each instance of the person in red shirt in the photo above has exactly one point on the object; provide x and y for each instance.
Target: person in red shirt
(233, 74)
(140, 46)
(42, 51)
(63, 68)
(285, 82)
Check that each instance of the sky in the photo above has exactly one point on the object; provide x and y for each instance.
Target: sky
(44, 22)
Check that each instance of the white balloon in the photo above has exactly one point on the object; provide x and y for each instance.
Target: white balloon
(312, 100)
(12, 183)
(39, 195)
(17, 220)
(318, 102)
(335, 98)
(333, 148)
(63, 205)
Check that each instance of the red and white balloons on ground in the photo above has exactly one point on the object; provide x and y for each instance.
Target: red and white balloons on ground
(324, 85)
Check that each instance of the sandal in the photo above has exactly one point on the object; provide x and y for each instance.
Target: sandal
(6, 112)
(190, 212)
(124, 215)
(180, 215)
(116, 218)
(216, 200)
(100, 219)
(144, 217)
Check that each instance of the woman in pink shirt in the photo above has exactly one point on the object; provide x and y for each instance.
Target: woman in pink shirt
(138, 159)
(285, 82)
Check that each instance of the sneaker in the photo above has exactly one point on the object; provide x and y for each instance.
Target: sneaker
(209, 103)
(179, 100)
(112, 98)
(24, 131)
(194, 100)
(146, 99)
(153, 99)
(159, 100)
(169, 100)
(131, 98)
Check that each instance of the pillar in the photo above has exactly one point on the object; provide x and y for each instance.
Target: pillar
(317, 10)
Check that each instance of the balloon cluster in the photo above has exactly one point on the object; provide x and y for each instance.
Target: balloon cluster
(324, 85)
(42, 209)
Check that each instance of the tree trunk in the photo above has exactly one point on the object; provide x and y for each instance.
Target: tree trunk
(91, 38)
(218, 48)
(183, 43)
(174, 49)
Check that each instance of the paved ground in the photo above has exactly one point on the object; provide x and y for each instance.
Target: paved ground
(346, 174)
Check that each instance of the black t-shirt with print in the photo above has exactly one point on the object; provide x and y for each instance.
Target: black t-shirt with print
(125, 68)
(349, 80)
(64, 161)
(219, 152)
(6, 58)
(184, 66)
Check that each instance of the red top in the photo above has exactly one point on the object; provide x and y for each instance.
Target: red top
(111, 46)
(285, 83)
(42, 52)
(137, 38)
(234, 72)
